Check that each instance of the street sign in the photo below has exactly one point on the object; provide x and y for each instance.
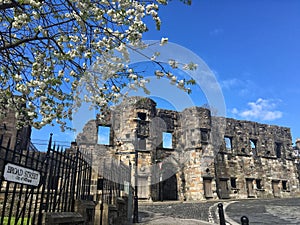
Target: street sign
(19, 174)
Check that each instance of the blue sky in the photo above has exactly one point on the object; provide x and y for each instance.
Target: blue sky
(253, 48)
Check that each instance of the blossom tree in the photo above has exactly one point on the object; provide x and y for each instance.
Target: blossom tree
(47, 48)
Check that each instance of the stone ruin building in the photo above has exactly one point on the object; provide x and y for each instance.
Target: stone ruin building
(12, 137)
(191, 155)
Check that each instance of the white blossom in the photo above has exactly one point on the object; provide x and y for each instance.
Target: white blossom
(190, 66)
(159, 73)
(164, 41)
(66, 46)
(173, 63)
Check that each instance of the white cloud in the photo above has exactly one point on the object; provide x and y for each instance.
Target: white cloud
(241, 87)
(262, 109)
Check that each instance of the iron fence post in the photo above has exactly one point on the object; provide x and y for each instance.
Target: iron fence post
(102, 196)
(44, 181)
(245, 220)
(136, 199)
(221, 214)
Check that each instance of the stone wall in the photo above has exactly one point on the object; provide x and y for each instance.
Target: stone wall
(208, 157)
(260, 160)
(19, 138)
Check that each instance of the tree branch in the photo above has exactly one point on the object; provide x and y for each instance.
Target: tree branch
(10, 5)
(13, 45)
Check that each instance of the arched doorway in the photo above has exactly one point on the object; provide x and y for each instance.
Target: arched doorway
(169, 188)
(164, 182)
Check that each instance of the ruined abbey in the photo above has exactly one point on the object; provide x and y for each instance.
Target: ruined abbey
(192, 155)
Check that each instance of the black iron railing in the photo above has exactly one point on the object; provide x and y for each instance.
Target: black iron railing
(115, 174)
(35, 182)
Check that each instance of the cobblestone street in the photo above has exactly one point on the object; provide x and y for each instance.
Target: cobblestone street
(194, 211)
(259, 211)
(266, 211)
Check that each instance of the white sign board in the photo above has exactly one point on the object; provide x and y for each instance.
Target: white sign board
(21, 175)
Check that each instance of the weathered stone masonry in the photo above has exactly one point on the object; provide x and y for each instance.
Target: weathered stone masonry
(208, 158)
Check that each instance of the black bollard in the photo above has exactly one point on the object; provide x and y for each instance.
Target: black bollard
(245, 220)
(221, 214)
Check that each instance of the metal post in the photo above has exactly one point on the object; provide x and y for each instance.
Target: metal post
(221, 214)
(245, 220)
(129, 211)
(102, 195)
(161, 186)
(136, 207)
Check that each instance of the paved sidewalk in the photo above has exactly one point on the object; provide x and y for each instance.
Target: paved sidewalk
(149, 218)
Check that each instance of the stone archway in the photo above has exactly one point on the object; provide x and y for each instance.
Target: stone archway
(168, 184)
(164, 182)
(169, 188)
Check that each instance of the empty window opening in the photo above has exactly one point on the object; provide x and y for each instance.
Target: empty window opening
(233, 182)
(167, 140)
(142, 116)
(253, 147)
(258, 184)
(228, 143)
(253, 144)
(284, 185)
(103, 135)
(278, 150)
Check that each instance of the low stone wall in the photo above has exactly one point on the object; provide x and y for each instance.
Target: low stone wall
(87, 210)
(118, 214)
(84, 214)
(114, 214)
(63, 218)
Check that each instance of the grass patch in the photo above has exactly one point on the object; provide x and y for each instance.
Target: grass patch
(13, 220)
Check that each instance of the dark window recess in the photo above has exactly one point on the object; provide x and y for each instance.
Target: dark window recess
(278, 150)
(233, 182)
(100, 184)
(228, 143)
(204, 136)
(142, 116)
(143, 128)
(258, 184)
(284, 185)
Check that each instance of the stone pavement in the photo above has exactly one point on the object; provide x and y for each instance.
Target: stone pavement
(265, 211)
(149, 218)
(168, 213)
(259, 211)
